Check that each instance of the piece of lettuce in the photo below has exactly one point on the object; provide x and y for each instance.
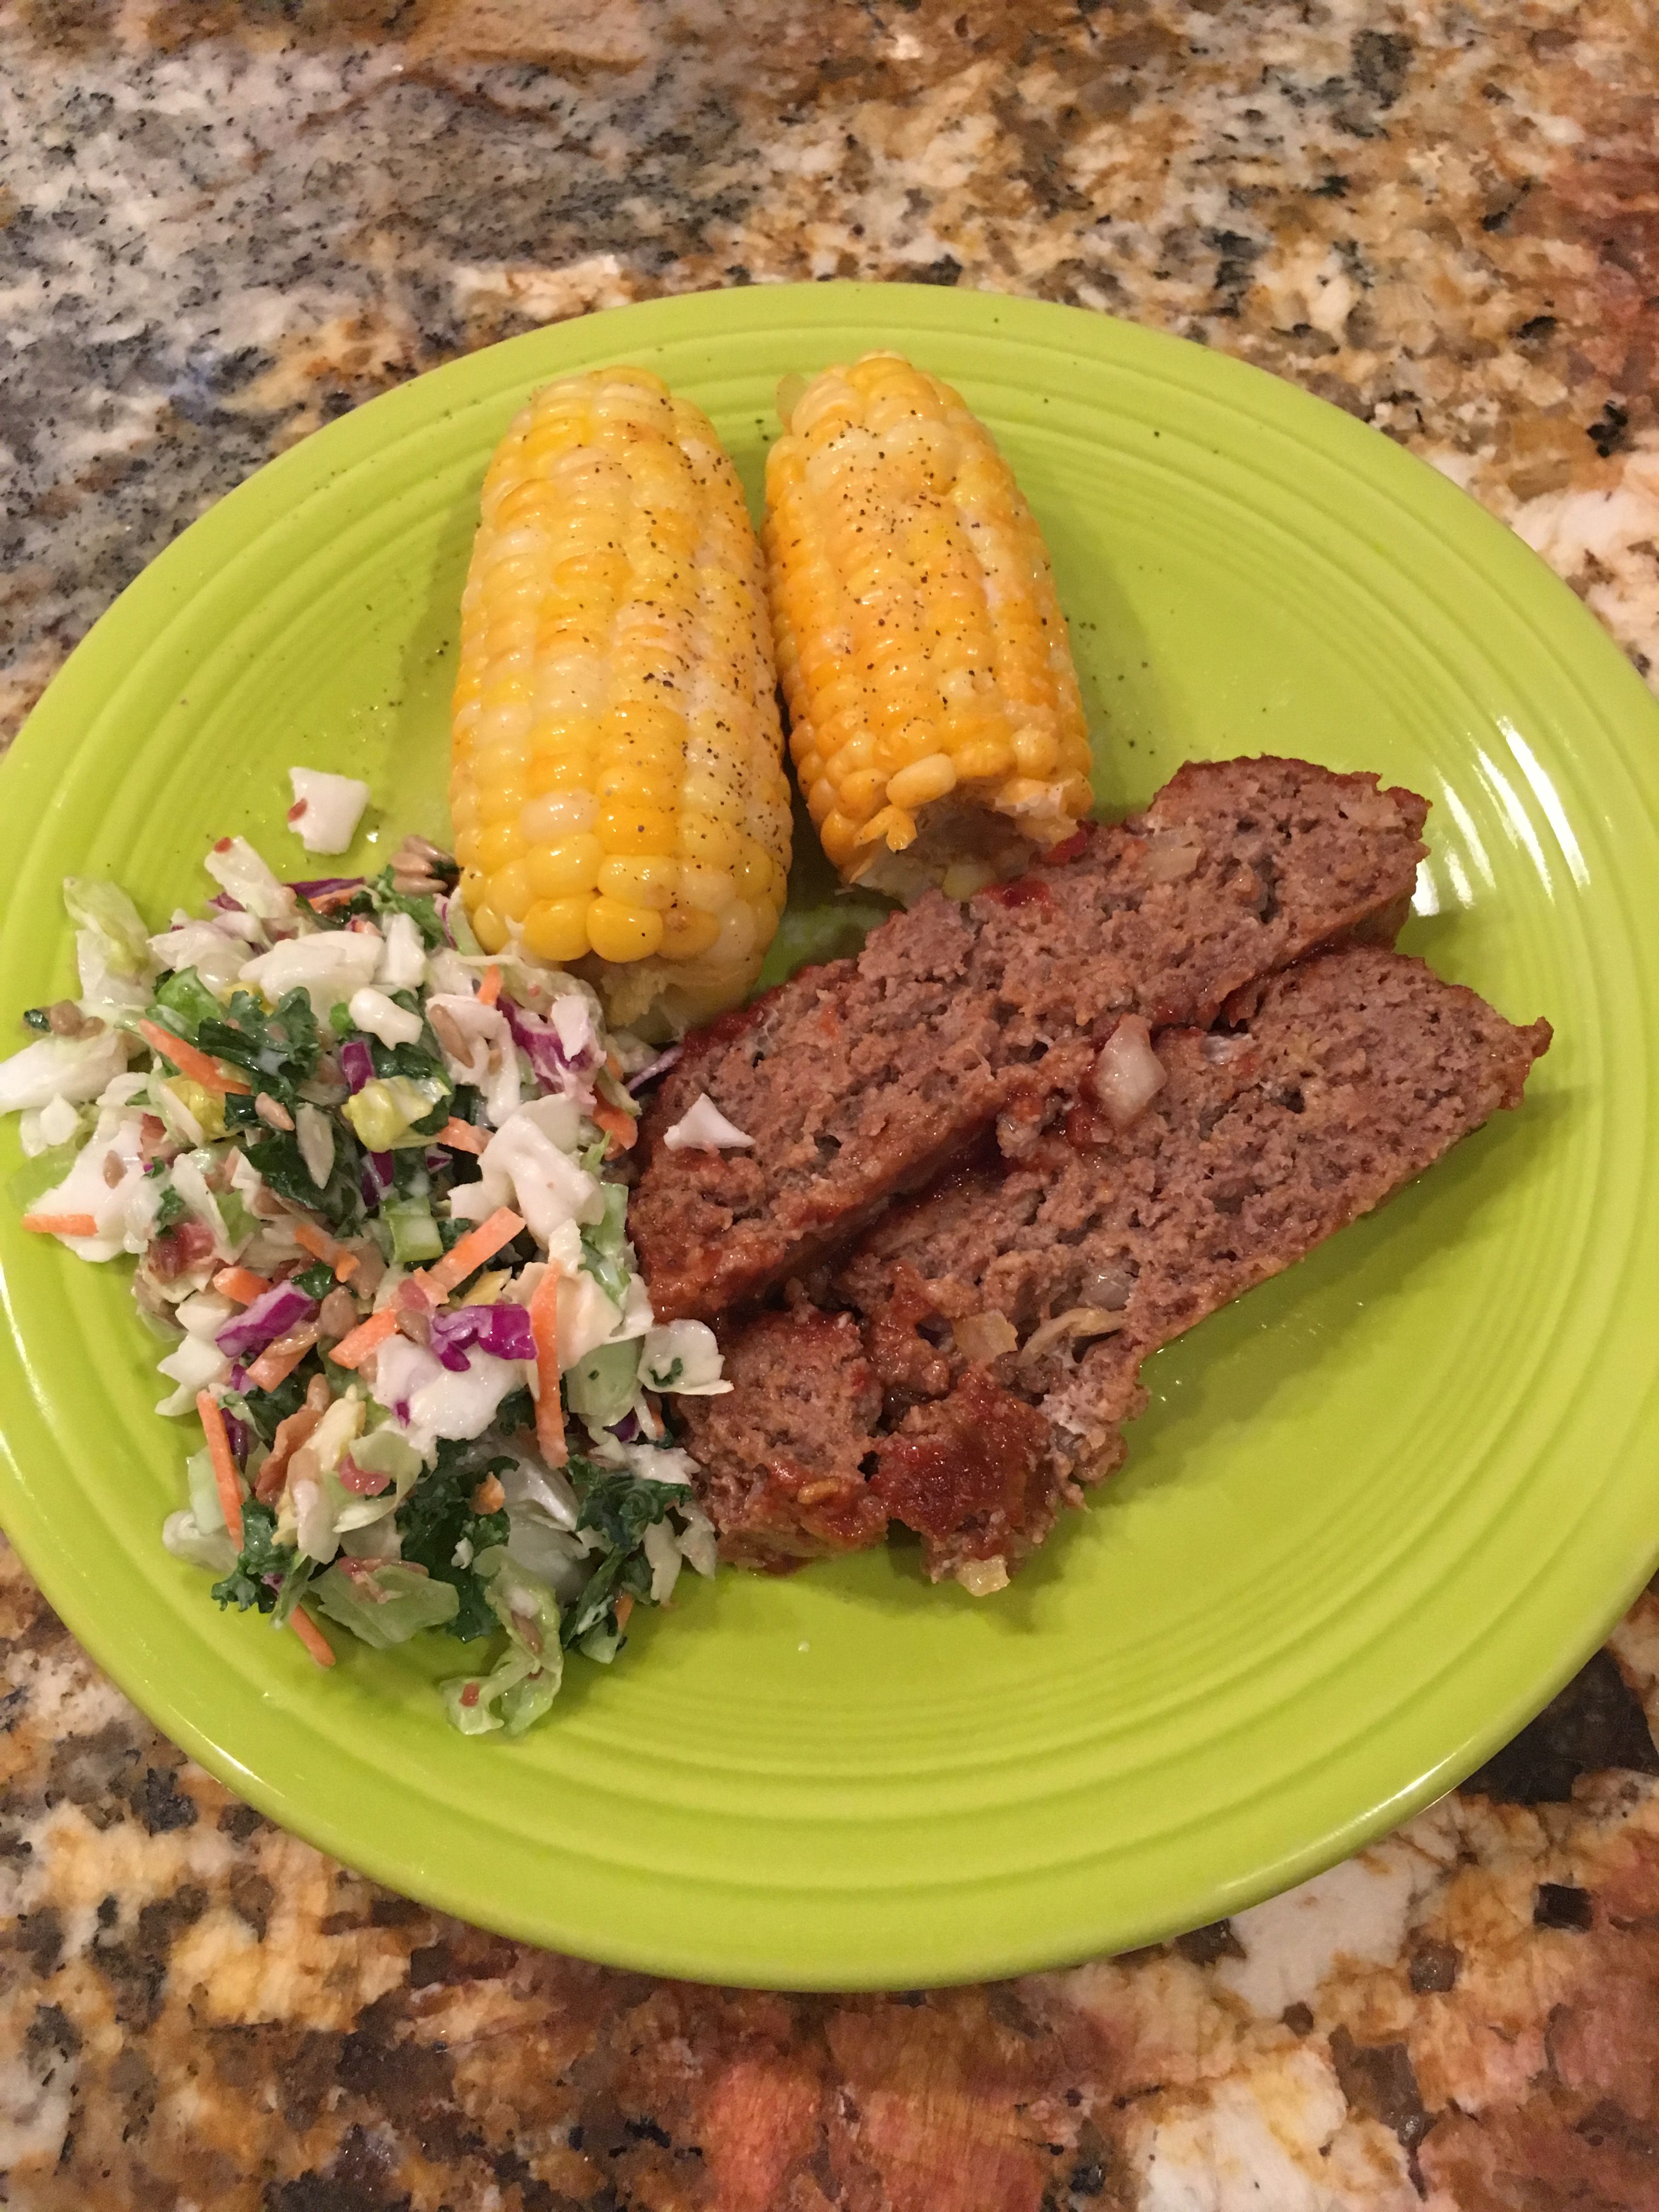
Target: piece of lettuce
(182, 1003)
(600, 1389)
(607, 1255)
(524, 1682)
(388, 1606)
(41, 1174)
(106, 909)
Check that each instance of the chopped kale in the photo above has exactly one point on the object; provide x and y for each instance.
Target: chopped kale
(412, 1061)
(279, 1051)
(437, 1517)
(261, 1555)
(170, 1212)
(516, 1411)
(386, 898)
(277, 1157)
(316, 1281)
(618, 1507)
(382, 897)
(37, 1018)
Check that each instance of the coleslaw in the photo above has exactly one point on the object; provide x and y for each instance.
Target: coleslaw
(375, 1186)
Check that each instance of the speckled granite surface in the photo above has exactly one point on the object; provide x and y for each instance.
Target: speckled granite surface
(223, 221)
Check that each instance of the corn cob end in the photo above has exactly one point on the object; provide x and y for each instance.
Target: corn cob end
(936, 728)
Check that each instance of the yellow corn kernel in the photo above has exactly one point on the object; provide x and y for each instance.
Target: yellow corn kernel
(650, 882)
(552, 815)
(509, 890)
(839, 836)
(983, 760)
(489, 928)
(499, 801)
(1036, 751)
(629, 827)
(554, 929)
(710, 891)
(708, 839)
(862, 792)
(562, 871)
(893, 827)
(633, 785)
(616, 580)
(924, 780)
(619, 932)
(685, 933)
(918, 631)
(502, 842)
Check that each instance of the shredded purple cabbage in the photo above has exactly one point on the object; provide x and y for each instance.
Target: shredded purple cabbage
(377, 1176)
(240, 1438)
(226, 904)
(536, 1038)
(272, 1314)
(356, 1063)
(653, 1068)
(320, 886)
(503, 1330)
(627, 1430)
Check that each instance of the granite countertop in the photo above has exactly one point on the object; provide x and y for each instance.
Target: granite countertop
(224, 222)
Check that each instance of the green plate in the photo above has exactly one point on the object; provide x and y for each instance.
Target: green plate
(1379, 1510)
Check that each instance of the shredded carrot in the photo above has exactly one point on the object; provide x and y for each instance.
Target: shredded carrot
(624, 1606)
(61, 1225)
(351, 1351)
(462, 1137)
(278, 1361)
(224, 1464)
(311, 1636)
(240, 1284)
(188, 1061)
(480, 1244)
(322, 1246)
(619, 1124)
(490, 989)
(613, 1066)
(549, 1411)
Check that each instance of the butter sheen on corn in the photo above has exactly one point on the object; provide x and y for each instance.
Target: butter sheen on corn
(617, 788)
(935, 725)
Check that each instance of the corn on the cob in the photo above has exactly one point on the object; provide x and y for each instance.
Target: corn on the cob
(618, 792)
(936, 724)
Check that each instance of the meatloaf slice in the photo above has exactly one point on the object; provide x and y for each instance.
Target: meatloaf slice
(782, 1472)
(1034, 1289)
(862, 1079)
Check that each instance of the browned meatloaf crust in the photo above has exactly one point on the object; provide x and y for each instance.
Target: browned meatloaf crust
(1330, 1085)
(862, 1079)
